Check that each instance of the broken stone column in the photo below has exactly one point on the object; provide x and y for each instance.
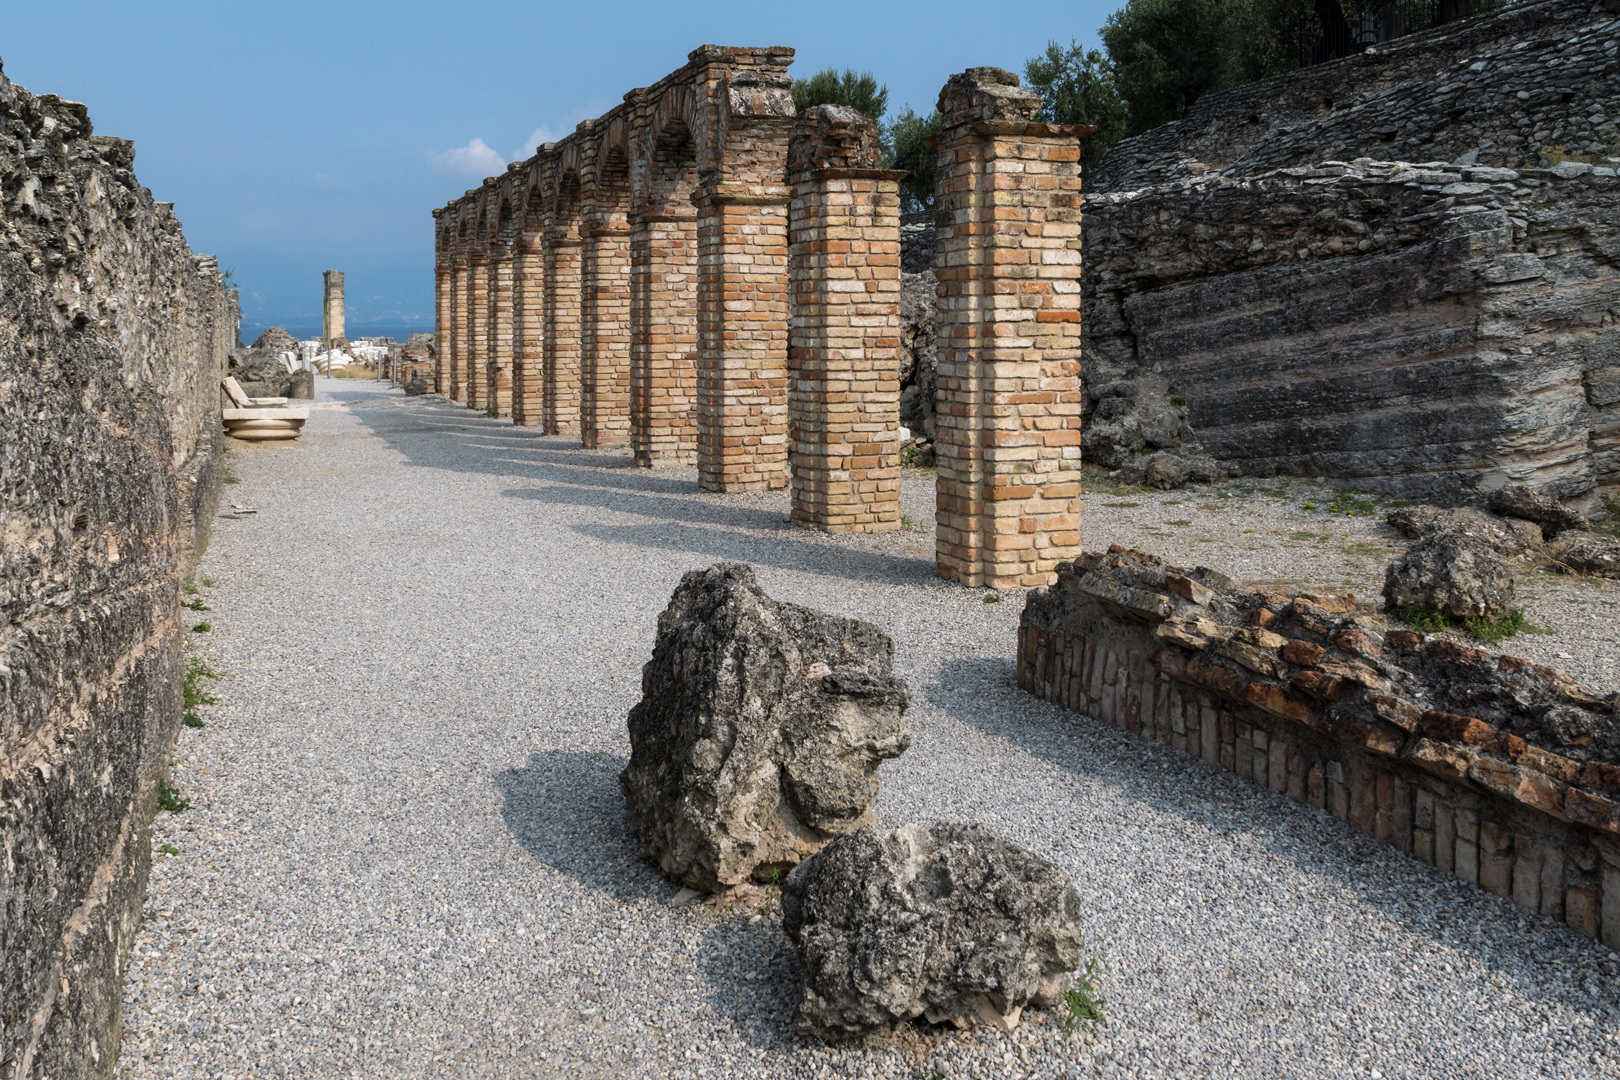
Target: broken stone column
(844, 333)
(1008, 396)
(759, 731)
(332, 312)
(947, 923)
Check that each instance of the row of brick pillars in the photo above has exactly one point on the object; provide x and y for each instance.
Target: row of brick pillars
(649, 289)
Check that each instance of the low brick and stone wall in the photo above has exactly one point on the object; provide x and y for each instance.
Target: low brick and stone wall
(1500, 771)
(113, 341)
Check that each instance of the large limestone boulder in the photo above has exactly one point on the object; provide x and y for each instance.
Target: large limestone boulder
(947, 922)
(759, 732)
(1452, 572)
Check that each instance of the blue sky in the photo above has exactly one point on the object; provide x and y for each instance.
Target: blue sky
(296, 137)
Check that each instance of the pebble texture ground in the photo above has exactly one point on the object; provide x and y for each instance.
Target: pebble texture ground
(405, 854)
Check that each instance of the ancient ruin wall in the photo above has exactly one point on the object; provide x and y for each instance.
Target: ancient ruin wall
(113, 339)
(1424, 331)
(1500, 771)
(1534, 81)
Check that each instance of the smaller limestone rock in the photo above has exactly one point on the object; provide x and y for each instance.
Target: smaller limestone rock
(1523, 501)
(1512, 537)
(759, 731)
(416, 387)
(945, 922)
(1586, 553)
(1167, 470)
(1451, 572)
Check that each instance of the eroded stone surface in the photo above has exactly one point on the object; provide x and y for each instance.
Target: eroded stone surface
(759, 732)
(1452, 572)
(948, 923)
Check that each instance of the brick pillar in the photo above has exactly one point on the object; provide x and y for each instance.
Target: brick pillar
(459, 301)
(605, 403)
(501, 336)
(529, 314)
(742, 337)
(844, 336)
(663, 338)
(1007, 435)
(560, 392)
(477, 330)
(443, 302)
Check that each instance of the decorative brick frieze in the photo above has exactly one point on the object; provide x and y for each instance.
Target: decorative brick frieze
(1315, 697)
(1008, 399)
(844, 332)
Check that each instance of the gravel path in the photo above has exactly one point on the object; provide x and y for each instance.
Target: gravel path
(405, 855)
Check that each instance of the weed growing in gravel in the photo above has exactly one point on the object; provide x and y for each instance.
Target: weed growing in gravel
(196, 604)
(1491, 631)
(192, 719)
(1178, 523)
(1084, 1000)
(1122, 505)
(168, 849)
(169, 798)
(1424, 621)
(992, 598)
(906, 522)
(193, 690)
(208, 582)
(1348, 501)
(202, 628)
(1308, 537)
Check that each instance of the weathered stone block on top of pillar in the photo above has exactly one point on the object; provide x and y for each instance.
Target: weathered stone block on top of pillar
(1008, 264)
(844, 332)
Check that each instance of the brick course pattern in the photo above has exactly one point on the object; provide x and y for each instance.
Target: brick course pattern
(844, 336)
(1008, 398)
(1317, 698)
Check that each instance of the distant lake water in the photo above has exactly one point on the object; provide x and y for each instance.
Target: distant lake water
(252, 328)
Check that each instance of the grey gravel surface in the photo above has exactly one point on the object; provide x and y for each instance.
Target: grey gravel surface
(405, 853)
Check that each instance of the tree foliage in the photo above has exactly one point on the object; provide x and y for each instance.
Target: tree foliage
(1078, 87)
(906, 146)
(858, 90)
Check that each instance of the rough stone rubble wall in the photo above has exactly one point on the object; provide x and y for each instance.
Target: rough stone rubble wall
(1322, 309)
(1500, 771)
(1506, 90)
(1427, 331)
(113, 339)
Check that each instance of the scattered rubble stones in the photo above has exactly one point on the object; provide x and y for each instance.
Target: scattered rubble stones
(262, 374)
(1452, 572)
(278, 339)
(948, 923)
(759, 732)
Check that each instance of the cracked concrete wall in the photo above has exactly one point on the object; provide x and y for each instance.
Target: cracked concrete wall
(113, 339)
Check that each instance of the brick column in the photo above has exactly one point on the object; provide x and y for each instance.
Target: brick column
(529, 313)
(742, 337)
(663, 338)
(477, 330)
(1008, 400)
(605, 336)
(844, 334)
(460, 298)
(501, 336)
(560, 392)
(443, 302)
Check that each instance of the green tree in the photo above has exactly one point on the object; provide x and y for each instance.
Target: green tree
(906, 146)
(859, 90)
(1077, 87)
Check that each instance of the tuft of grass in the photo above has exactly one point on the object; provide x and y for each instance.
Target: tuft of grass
(1177, 400)
(1423, 620)
(1084, 1000)
(168, 849)
(1348, 501)
(196, 604)
(202, 628)
(170, 799)
(1309, 537)
(1122, 505)
(992, 598)
(1307, 506)
(1492, 631)
(1178, 523)
(192, 719)
(193, 689)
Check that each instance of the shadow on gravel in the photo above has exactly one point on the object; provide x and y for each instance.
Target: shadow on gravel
(753, 980)
(1547, 957)
(566, 810)
(778, 551)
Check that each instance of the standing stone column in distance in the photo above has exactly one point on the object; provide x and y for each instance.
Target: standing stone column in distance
(332, 311)
(1008, 399)
(844, 327)
(561, 381)
(477, 328)
(442, 278)
(455, 358)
